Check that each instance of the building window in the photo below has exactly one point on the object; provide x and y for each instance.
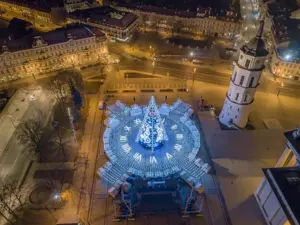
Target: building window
(251, 82)
(245, 98)
(247, 63)
(242, 80)
(234, 76)
(237, 96)
(241, 57)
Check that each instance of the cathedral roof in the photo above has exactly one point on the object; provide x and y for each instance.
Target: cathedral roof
(256, 46)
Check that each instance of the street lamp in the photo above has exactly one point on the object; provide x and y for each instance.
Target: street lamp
(287, 57)
(195, 69)
(279, 89)
(192, 54)
(153, 64)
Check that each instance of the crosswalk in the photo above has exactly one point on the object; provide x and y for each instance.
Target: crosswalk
(272, 124)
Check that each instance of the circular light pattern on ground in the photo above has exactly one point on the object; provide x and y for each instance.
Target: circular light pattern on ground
(127, 156)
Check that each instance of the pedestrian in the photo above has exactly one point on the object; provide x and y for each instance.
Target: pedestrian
(134, 99)
(166, 97)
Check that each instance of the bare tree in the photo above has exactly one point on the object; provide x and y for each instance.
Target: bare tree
(59, 142)
(58, 89)
(18, 192)
(12, 199)
(30, 134)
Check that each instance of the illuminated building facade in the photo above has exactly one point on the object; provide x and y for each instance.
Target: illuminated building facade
(121, 26)
(73, 46)
(202, 21)
(28, 10)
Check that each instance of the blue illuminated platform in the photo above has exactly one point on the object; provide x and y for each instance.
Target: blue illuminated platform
(151, 142)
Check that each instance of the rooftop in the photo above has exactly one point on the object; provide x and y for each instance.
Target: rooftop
(106, 16)
(286, 29)
(53, 37)
(282, 7)
(223, 14)
(285, 183)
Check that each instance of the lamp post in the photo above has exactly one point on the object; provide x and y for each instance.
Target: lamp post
(279, 89)
(195, 69)
(153, 65)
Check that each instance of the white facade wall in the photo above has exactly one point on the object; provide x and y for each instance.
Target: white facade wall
(269, 205)
(244, 81)
(49, 58)
(197, 25)
(26, 11)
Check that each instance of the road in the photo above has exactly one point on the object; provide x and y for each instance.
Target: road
(206, 74)
(251, 17)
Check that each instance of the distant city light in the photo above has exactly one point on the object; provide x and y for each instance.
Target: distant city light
(287, 57)
(192, 54)
(56, 196)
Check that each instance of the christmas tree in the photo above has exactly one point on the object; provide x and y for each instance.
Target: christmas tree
(152, 134)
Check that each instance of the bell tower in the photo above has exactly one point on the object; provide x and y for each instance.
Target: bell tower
(244, 81)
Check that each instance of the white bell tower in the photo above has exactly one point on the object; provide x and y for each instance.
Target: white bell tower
(244, 81)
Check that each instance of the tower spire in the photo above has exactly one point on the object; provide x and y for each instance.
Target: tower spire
(261, 29)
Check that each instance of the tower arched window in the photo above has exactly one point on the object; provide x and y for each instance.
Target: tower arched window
(251, 82)
(242, 80)
(234, 76)
(246, 97)
(247, 63)
(237, 96)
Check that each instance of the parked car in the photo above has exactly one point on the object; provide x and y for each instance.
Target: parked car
(196, 61)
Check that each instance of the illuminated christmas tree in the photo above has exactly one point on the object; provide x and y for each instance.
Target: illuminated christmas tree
(152, 134)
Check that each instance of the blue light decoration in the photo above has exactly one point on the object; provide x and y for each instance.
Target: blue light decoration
(152, 134)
